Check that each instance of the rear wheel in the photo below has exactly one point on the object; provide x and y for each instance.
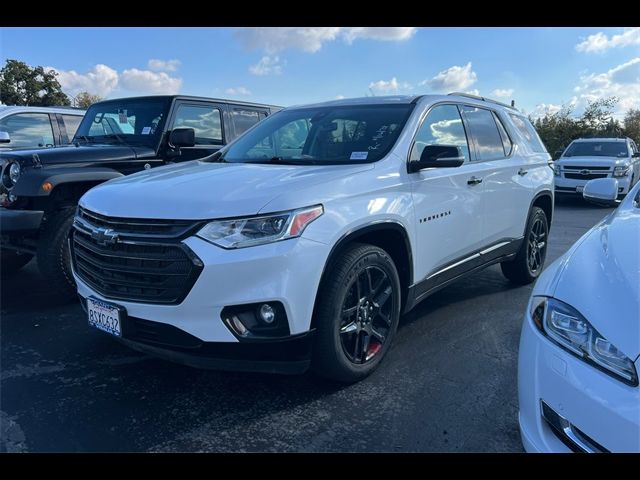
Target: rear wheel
(357, 314)
(11, 262)
(529, 261)
(54, 258)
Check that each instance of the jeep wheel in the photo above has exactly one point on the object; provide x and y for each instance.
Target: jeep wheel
(529, 261)
(357, 314)
(54, 258)
(11, 262)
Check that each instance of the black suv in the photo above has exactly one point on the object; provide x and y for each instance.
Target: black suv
(40, 188)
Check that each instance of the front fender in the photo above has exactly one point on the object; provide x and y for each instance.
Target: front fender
(30, 184)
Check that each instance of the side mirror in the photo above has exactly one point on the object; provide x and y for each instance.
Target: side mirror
(601, 191)
(182, 137)
(557, 155)
(437, 156)
(5, 137)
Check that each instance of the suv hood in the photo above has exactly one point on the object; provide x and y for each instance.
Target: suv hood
(601, 278)
(591, 161)
(72, 154)
(202, 190)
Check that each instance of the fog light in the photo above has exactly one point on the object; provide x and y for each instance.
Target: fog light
(267, 314)
(238, 325)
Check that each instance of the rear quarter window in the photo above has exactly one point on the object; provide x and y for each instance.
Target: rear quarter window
(528, 132)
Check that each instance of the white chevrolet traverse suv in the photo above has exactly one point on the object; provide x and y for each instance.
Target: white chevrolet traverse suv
(300, 243)
(590, 158)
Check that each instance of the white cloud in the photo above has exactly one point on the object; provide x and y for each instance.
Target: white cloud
(502, 92)
(456, 78)
(599, 42)
(145, 81)
(622, 81)
(100, 80)
(163, 65)
(267, 66)
(310, 39)
(388, 86)
(543, 109)
(339, 97)
(238, 91)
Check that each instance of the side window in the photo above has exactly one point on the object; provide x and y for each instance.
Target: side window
(485, 134)
(528, 132)
(244, 119)
(28, 130)
(443, 126)
(71, 124)
(205, 120)
(506, 141)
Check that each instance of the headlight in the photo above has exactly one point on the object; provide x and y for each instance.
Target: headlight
(556, 170)
(247, 232)
(569, 329)
(621, 171)
(14, 172)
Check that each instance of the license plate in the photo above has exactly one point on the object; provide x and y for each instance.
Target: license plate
(580, 189)
(104, 316)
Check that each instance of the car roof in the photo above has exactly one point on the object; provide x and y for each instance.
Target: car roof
(601, 139)
(192, 97)
(10, 109)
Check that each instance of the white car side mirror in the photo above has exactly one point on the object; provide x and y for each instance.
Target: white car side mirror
(602, 191)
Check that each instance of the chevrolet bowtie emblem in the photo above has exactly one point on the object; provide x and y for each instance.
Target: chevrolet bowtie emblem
(584, 172)
(104, 236)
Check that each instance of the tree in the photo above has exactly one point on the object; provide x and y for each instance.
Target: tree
(21, 84)
(632, 125)
(86, 99)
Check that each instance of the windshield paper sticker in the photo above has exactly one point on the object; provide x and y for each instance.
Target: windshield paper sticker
(359, 155)
(146, 130)
(122, 116)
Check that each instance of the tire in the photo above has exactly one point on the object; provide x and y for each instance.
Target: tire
(373, 316)
(529, 261)
(11, 262)
(54, 258)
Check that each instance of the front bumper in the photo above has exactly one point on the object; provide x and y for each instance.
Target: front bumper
(602, 410)
(569, 186)
(19, 221)
(288, 272)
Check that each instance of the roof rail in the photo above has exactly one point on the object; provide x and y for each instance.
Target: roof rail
(485, 99)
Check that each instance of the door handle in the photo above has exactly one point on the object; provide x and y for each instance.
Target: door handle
(474, 181)
(522, 172)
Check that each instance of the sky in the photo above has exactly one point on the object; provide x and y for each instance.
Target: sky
(540, 68)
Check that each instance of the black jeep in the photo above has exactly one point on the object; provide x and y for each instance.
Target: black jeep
(40, 188)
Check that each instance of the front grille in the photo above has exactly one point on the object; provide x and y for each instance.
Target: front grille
(589, 176)
(138, 227)
(573, 167)
(154, 269)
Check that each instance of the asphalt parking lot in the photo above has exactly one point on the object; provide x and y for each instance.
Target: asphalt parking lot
(448, 383)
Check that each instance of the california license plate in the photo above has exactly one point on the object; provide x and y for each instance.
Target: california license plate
(580, 189)
(104, 316)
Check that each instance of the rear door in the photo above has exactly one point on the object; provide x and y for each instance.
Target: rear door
(507, 194)
(206, 120)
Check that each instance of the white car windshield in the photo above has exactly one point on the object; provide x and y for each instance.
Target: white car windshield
(597, 149)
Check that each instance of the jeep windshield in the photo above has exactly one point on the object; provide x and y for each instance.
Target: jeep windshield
(597, 149)
(330, 135)
(130, 122)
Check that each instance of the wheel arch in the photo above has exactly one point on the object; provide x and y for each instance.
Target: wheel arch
(392, 237)
(544, 200)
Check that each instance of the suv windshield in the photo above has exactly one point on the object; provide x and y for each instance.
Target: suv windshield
(597, 149)
(322, 136)
(136, 122)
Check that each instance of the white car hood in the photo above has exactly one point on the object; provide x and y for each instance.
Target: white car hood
(202, 190)
(590, 161)
(601, 279)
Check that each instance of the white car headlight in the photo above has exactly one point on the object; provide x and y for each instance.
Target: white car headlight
(570, 330)
(556, 170)
(251, 231)
(621, 171)
(14, 172)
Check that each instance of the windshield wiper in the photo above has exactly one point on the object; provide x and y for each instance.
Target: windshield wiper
(279, 161)
(115, 136)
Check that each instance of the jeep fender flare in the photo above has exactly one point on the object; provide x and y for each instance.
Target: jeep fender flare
(30, 185)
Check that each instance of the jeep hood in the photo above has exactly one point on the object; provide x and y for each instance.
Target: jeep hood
(201, 190)
(91, 153)
(601, 278)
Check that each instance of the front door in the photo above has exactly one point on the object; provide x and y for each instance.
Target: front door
(448, 202)
(206, 120)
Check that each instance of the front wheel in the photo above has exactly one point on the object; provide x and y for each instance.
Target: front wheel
(357, 314)
(54, 258)
(529, 261)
